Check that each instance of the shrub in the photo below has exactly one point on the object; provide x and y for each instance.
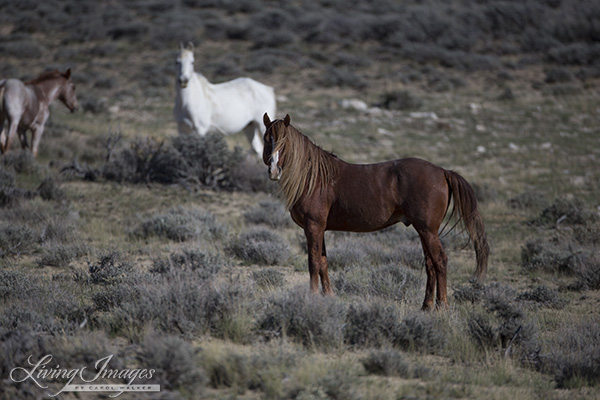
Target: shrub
(208, 160)
(386, 362)
(23, 49)
(473, 292)
(421, 332)
(50, 190)
(21, 161)
(16, 238)
(551, 256)
(373, 323)
(268, 278)
(182, 303)
(565, 211)
(400, 100)
(175, 362)
(58, 255)
(311, 319)
(18, 285)
(144, 161)
(204, 264)
(588, 272)
(342, 77)
(16, 347)
(181, 224)
(269, 212)
(543, 296)
(111, 269)
(504, 326)
(389, 281)
(558, 75)
(574, 355)
(260, 246)
(528, 199)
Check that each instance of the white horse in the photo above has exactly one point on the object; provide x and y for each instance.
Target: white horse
(228, 107)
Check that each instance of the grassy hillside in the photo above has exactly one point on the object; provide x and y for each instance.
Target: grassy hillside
(174, 253)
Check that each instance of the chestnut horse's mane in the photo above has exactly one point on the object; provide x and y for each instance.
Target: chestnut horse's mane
(46, 76)
(306, 164)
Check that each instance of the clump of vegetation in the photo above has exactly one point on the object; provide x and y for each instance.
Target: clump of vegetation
(565, 211)
(386, 362)
(268, 278)
(260, 245)
(378, 324)
(269, 212)
(389, 281)
(543, 296)
(573, 355)
(181, 224)
(59, 255)
(111, 269)
(400, 100)
(204, 264)
(551, 256)
(504, 326)
(311, 319)
(529, 199)
(175, 362)
(189, 160)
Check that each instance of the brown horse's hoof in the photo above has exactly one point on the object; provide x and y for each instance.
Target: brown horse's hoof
(427, 307)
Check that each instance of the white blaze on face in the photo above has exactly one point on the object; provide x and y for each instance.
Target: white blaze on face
(274, 170)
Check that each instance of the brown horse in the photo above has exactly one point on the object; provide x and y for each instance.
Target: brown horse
(323, 193)
(25, 106)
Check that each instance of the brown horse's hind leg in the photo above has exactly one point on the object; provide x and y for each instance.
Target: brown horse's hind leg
(436, 268)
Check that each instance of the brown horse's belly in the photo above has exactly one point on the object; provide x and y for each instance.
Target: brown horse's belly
(363, 219)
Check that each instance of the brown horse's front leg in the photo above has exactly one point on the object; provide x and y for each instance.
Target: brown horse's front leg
(315, 240)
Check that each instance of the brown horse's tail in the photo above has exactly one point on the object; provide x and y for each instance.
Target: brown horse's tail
(466, 203)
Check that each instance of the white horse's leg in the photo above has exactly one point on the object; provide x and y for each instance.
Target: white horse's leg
(254, 136)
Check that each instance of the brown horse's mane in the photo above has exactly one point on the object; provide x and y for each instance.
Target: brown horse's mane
(45, 76)
(306, 164)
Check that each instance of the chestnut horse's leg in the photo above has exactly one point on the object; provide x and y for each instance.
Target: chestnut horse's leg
(323, 271)
(317, 261)
(436, 268)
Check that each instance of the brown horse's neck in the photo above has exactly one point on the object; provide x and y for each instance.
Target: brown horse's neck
(307, 167)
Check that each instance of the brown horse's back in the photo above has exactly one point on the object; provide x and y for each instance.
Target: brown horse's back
(370, 197)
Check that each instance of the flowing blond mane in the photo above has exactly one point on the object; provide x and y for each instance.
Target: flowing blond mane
(306, 164)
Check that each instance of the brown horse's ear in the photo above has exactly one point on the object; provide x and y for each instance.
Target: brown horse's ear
(67, 73)
(286, 120)
(266, 120)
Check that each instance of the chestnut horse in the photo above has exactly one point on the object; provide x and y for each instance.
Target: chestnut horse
(25, 106)
(323, 193)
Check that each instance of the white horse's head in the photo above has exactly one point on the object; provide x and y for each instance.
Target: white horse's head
(185, 64)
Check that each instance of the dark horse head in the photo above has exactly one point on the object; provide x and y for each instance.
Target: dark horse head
(273, 145)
